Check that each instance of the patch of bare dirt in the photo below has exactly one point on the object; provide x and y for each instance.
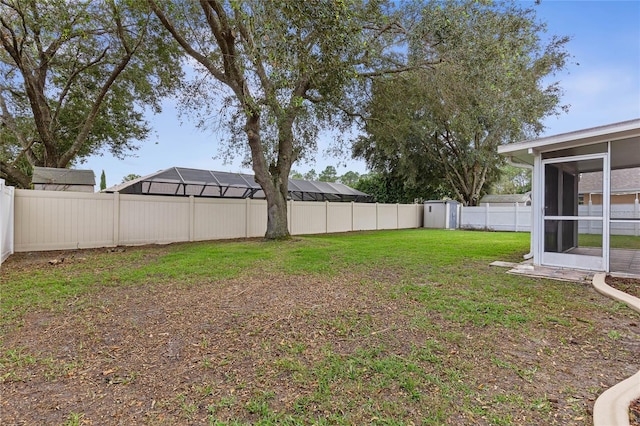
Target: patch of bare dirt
(166, 354)
(628, 285)
(634, 413)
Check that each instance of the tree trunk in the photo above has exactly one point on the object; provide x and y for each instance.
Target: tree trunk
(274, 182)
(277, 223)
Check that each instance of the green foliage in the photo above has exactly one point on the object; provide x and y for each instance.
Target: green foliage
(103, 181)
(129, 177)
(329, 174)
(76, 78)
(389, 188)
(350, 178)
(512, 180)
(487, 87)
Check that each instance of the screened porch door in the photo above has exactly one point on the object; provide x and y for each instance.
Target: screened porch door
(575, 235)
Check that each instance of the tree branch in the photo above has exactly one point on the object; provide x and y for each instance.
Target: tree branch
(203, 60)
(15, 174)
(81, 137)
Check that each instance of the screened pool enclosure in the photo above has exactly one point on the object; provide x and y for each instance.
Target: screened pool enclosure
(180, 181)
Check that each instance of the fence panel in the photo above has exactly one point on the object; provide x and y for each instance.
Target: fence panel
(153, 220)
(617, 211)
(364, 217)
(339, 217)
(410, 215)
(308, 217)
(387, 216)
(498, 218)
(518, 218)
(50, 220)
(218, 219)
(6, 220)
(473, 217)
(256, 218)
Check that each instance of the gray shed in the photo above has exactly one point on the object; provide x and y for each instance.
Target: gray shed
(53, 179)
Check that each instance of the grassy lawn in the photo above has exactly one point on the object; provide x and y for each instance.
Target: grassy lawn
(392, 327)
(617, 241)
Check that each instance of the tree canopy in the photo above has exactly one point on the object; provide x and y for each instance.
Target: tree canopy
(75, 77)
(440, 128)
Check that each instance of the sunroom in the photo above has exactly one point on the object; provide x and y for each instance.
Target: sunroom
(586, 190)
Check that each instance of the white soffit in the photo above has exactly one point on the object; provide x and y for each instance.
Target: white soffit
(523, 151)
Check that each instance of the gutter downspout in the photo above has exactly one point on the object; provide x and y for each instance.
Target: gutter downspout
(529, 167)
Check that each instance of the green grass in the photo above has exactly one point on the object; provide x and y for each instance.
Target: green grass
(617, 241)
(188, 263)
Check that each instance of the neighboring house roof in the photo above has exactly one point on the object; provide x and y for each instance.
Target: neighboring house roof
(53, 176)
(623, 180)
(506, 198)
(182, 181)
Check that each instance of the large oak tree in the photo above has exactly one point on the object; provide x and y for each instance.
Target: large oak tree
(441, 127)
(75, 77)
(281, 70)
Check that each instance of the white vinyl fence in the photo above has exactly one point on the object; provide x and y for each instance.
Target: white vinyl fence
(497, 218)
(6, 220)
(618, 211)
(50, 220)
(518, 218)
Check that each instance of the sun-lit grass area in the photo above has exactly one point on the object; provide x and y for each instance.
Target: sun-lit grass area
(616, 241)
(323, 254)
(391, 327)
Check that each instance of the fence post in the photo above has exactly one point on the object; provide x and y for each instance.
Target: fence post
(590, 222)
(12, 219)
(291, 216)
(352, 207)
(247, 214)
(636, 215)
(397, 215)
(326, 217)
(516, 221)
(486, 216)
(116, 218)
(192, 217)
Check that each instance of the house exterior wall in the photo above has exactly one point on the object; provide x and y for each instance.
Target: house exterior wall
(49, 220)
(56, 187)
(615, 198)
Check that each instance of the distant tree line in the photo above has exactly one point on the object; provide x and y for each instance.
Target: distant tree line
(385, 188)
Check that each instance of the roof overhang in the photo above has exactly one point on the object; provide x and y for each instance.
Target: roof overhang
(525, 151)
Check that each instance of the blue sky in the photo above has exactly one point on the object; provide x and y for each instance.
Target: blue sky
(601, 84)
